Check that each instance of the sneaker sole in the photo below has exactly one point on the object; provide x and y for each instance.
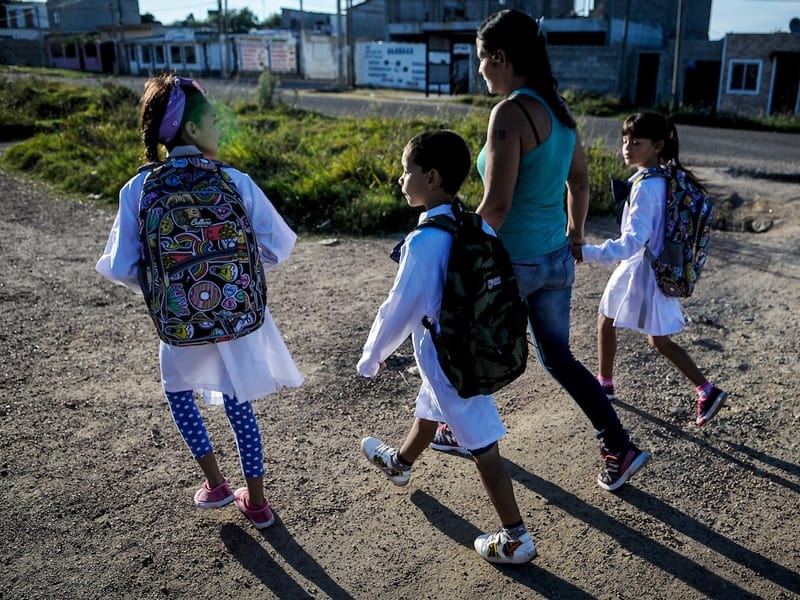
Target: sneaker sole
(454, 450)
(637, 464)
(712, 412)
(517, 559)
(217, 504)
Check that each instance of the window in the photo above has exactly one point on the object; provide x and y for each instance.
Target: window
(56, 50)
(175, 55)
(90, 50)
(191, 55)
(159, 55)
(70, 51)
(744, 77)
(145, 55)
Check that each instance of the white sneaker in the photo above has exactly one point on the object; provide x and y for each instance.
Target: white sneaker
(500, 547)
(385, 458)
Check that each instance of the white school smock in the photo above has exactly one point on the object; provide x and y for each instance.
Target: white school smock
(416, 293)
(632, 297)
(246, 368)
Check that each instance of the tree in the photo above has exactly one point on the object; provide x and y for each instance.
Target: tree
(273, 21)
(241, 21)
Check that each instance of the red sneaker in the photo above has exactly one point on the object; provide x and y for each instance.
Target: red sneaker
(261, 516)
(208, 497)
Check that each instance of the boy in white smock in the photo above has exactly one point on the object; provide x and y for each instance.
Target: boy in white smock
(435, 164)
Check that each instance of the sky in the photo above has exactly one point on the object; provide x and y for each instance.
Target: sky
(727, 16)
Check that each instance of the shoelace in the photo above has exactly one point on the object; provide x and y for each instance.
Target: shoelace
(611, 462)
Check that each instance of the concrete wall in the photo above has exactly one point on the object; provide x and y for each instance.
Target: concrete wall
(593, 71)
(29, 53)
(757, 50)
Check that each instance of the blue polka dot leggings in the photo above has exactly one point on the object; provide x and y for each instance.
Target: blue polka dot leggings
(243, 422)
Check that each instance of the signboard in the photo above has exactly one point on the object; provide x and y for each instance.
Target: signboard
(257, 53)
(253, 54)
(390, 65)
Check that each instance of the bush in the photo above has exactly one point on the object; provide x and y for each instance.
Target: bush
(324, 174)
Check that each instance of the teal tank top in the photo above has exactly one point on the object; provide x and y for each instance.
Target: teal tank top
(537, 221)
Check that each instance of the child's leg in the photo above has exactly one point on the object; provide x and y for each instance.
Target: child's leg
(498, 486)
(419, 436)
(606, 346)
(678, 357)
(193, 431)
(248, 443)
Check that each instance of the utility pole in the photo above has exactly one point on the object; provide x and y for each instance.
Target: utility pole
(350, 49)
(223, 47)
(121, 29)
(621, 82)
(340, 41)
(676, 63)
(300, 46)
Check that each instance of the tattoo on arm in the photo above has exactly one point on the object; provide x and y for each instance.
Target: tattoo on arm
(500, 135)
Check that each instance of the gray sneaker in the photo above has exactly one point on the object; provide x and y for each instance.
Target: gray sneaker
(385, 459)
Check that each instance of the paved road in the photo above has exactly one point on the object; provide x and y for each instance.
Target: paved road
(747, 153)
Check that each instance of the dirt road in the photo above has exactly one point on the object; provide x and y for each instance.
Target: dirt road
(97, 485)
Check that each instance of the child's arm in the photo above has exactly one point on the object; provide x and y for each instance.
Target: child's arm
(646, 204)
(406, 305)
(275, 238)
(120, 259)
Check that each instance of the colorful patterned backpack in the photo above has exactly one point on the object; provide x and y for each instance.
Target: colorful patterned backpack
(482, 338)
(200, 272)
(687, 232)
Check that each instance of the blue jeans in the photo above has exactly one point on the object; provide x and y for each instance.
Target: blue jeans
(546, 283)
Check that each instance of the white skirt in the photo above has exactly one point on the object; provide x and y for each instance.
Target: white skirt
(633, 300)
(246, 368)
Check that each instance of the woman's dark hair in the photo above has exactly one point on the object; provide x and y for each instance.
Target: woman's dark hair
(651, 125)
(519, 35)
(445, 151)
(153, 106)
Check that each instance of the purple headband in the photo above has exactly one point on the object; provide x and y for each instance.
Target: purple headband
(175, 105)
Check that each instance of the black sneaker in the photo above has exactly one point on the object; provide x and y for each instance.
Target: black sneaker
(445, 441)
(619, 467)
(709, 405)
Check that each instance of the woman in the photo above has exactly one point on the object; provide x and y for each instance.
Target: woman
(532, 148)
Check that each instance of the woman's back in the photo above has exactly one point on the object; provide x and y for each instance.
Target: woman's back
(536, 222)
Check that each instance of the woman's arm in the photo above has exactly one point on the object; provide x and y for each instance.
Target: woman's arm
(502, 163)
(577, 195)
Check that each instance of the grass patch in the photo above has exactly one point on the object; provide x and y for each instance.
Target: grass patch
(324, 174)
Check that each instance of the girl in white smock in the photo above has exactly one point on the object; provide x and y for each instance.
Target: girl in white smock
(175, 113)
(632, 298)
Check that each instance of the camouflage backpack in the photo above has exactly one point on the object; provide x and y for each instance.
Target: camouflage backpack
(200, 271)
(482, 342)
(689, 213)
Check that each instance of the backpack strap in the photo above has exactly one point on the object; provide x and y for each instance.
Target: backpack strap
(530, 120)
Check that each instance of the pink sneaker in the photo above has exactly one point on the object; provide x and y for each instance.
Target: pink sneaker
(261, 516)
(208, 497)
